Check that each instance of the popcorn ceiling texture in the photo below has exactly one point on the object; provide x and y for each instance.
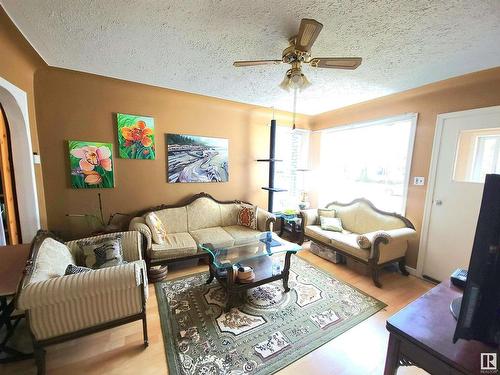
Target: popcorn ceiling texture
(190, 45)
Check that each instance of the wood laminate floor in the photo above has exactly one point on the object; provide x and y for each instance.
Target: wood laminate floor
(361, 350)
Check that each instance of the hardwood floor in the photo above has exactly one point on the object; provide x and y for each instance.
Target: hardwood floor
(361, 350)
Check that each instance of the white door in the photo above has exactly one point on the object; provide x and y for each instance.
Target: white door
(466, 147)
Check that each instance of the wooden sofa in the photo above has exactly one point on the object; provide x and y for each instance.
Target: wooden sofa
(388, 234)
(200, 219)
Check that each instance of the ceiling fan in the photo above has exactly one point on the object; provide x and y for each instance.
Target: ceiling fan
(299, 52)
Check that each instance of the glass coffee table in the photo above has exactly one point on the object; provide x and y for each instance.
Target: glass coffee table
(257, 254)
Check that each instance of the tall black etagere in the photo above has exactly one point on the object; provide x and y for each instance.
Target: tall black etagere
(271, 189)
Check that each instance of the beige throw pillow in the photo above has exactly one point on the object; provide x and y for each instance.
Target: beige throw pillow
(158, 230)
(333, 224)
(327, 212)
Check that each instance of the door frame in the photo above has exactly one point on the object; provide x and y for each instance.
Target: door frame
(15, 105)
(431, 180)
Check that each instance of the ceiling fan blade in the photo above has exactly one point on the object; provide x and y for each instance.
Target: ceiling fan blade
(256, 62)
(350, 63)
(308, 32)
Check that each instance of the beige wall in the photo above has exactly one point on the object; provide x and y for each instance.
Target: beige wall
(18, 64)
(476, 90)
(80, 106)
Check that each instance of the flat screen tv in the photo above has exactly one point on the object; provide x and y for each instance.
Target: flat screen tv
(479, 317)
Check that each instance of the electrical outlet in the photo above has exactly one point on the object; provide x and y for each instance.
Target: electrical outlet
(419, 181)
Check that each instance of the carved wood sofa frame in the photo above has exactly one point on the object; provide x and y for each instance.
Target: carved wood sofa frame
(160, 274)
(39, 345)
(372, 262)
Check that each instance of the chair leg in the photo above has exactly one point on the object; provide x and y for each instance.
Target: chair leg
(402, 267)
(39, 353)
(375, 276)
(145, 330)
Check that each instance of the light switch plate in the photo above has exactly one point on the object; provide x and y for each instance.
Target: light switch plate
(419, 181)
(36, 159)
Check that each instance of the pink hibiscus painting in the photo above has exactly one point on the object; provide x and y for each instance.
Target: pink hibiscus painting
(91, 164)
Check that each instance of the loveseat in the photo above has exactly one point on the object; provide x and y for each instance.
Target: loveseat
(370, 236)
(62, 307)
(201, 219)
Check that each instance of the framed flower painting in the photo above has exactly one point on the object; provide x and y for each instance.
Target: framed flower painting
(91, 165)
(136, 138)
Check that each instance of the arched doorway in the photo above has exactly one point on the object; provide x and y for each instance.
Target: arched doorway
(15, 105)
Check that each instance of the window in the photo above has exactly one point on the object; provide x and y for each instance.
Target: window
(293, 148)
(478, 153)
(487, 157)
(369, 160)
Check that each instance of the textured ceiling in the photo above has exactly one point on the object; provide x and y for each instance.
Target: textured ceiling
(190, 45)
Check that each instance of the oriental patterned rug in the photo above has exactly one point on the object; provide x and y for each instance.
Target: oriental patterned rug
(268, 331)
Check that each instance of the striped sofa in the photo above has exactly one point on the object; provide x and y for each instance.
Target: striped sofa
(60, 308)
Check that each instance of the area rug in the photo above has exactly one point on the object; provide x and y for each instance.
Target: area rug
(267, 331)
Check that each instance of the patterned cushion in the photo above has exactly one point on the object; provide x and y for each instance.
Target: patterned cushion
(331, 223)
(73, 270)
(103, 252)
(158, 231)
(248, 216)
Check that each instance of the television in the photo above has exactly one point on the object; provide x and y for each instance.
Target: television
(479, 316)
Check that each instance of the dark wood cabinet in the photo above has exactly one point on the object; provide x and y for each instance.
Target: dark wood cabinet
(421, 334)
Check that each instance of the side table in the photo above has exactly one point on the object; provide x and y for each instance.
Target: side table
(291, 224)
(13, 261)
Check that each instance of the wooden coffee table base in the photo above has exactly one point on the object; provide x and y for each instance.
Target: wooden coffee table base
(263, 269)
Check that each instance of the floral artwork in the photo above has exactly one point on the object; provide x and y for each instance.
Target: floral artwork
(135, 136)
(91, 165)
(196, 159)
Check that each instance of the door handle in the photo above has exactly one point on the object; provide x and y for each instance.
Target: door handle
(438, 202)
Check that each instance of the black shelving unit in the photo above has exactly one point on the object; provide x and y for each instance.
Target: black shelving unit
(271, 189)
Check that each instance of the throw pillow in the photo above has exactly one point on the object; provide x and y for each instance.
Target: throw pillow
(158, 230)
(363, 242)
(367, 238)
(73, 270)
(248, 216)
(333, 224)
(103, 252)
(327, 212)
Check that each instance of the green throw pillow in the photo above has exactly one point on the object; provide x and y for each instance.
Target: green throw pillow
(331, 223)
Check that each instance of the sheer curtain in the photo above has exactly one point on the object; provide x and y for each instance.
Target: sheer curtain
(292, 146)
(370, 160)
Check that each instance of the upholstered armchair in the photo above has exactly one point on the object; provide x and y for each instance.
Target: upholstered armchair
(63, 307)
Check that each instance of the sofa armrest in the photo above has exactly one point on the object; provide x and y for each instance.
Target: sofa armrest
(139, 224)
(309, 217)
(401, 233)
(94, 284)
(265, 220)
(389, 244)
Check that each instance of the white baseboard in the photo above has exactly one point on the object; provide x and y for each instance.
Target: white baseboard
(412, 271)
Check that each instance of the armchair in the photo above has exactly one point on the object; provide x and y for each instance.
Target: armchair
(102, 298)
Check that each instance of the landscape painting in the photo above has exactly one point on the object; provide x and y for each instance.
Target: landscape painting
(136, 138)
(91, 165)
(196, 159)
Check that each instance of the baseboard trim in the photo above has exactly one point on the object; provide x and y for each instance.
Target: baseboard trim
(412, 271)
